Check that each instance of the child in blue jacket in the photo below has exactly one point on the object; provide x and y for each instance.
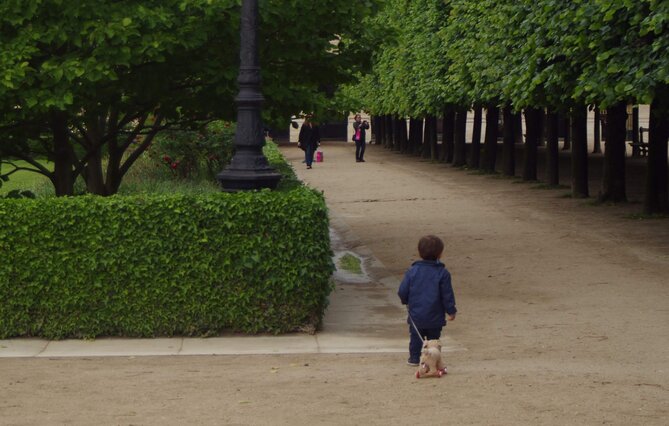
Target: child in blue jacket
(426, 289)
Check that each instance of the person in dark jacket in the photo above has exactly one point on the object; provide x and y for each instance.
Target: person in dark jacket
(309, 139)
(426, 289)
(359, 128)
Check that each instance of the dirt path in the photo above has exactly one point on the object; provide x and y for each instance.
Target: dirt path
(564, 316)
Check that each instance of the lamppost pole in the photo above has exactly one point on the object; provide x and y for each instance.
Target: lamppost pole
(249, 168)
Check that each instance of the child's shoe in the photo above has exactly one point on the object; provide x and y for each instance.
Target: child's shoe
(412, 362)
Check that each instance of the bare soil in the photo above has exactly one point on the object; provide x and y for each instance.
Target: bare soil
(564, 316)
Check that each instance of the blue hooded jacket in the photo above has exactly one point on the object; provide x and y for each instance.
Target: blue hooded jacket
(427, 289)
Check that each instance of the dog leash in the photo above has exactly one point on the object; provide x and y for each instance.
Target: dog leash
(414, 326)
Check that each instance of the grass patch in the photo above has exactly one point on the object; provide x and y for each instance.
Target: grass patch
(167, 186)
(350, 263)
(146, 176)
(25, 180)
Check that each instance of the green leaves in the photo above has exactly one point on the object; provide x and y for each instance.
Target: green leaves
(528, 53)
(410, 65)
(163, 265)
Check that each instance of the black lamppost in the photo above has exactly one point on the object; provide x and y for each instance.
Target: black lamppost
(249, 168)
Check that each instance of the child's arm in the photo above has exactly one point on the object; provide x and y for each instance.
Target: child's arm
(447, 295)
(403, 292)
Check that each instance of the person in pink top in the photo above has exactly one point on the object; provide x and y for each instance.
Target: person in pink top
(359, 128)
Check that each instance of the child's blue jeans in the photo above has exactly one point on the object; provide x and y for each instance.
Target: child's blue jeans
(415, 342)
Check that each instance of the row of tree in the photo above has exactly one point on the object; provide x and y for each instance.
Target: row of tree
(440, 58)
(89, 84)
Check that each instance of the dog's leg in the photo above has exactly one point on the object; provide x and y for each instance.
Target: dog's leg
(430, 368)
(440, 364)
(436, 370)
(424, 366)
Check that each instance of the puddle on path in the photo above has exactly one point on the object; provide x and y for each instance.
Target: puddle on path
(342, 275)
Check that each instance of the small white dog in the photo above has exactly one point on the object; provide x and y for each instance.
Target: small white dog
(431, 363)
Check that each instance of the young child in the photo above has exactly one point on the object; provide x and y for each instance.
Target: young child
(426, 289)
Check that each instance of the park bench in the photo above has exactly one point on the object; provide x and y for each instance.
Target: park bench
(640, 149)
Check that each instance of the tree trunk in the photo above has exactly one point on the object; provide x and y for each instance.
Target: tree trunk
(93, 174)
(541, 141)
(426, 149)
(613, 183)
(509, 142)
(62, 178)
(635, 130)
(95, 181)
(597, 133)
(491, 132)
(378, 131)
(412, 139)
(459, 145)
(378, 125)
(401, 126)
(579, 152)
(392, 141)
(387, 130)
(533, 125)
(375, 135)
(383, 123)
(416, 136)
(475, 156)
(430, 139)
(517, 127)
(397, 141)
(117, 154)
(552, 149)
(388, 122)
(447, 142)
(567, 133)
(114, 174)
(656, 199)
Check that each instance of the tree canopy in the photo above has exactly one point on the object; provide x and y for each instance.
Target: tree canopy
(526, 53)
(83, 80)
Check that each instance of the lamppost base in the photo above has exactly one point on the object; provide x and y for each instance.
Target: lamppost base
(248, 180)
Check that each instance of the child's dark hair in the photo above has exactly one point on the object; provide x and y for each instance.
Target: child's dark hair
(430, 247)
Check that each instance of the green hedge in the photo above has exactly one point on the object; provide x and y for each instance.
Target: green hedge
(164, 265)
